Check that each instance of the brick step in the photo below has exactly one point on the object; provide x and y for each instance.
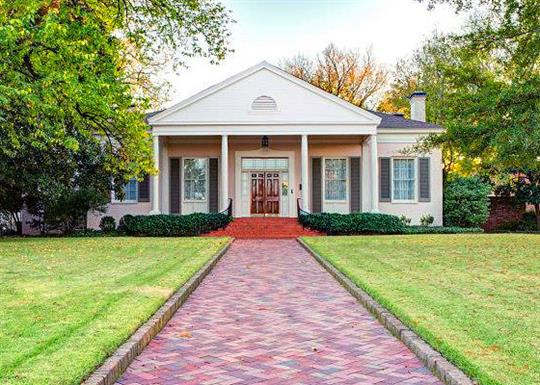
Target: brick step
(264, 228)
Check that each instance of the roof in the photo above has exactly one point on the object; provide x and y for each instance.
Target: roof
(398, 121)
(150, 114)
(393, 121)
(388, 121)
(366, 115)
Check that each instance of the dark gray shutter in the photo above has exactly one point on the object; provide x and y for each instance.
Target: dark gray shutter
(424, 190)
(144, 189)
(354, 184)
(384, 180)
(316, 187)
(174, 186)
(213, 186)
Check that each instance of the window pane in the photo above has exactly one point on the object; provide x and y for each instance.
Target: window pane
(195, 175)
(335, 168)
(404, 179)
(335, 190)
(335, 176)
(282, 164)
(130, 190)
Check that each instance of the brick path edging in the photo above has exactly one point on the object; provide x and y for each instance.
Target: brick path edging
(116, 364)
(440, 366)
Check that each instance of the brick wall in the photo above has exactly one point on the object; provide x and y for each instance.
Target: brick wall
(503, 209)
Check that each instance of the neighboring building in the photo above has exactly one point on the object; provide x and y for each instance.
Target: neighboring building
(265, 138)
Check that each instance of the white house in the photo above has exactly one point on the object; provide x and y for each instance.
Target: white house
(264, 138)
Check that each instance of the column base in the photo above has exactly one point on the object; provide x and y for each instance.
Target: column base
(374, 211)
(154, 212)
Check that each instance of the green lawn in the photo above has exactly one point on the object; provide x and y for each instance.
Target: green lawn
(475, 298)
(67, 303)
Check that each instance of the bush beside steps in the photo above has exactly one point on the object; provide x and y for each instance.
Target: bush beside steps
(371, 223)
(164, 225)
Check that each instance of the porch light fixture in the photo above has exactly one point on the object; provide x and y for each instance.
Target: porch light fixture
(264, 142)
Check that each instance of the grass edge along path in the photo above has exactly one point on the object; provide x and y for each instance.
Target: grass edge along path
(405, 253)
(71, 302)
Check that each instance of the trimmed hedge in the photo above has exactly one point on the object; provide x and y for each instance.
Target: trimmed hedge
(441, 230)
(372, 223)
(163, 225)
(358, 223)
(107, 224)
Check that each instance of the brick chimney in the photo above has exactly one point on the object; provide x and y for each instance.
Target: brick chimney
(418, 105)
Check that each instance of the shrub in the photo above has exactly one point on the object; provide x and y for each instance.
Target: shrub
(466, 202)
(441, 230)
(358, 223)
(107, 224)
(124, 222)
(427, 220)
(406, 221)
(172, 225)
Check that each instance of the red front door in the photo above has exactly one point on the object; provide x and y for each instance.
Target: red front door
(265, 193)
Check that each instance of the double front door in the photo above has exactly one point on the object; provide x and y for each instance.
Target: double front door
(265, 193)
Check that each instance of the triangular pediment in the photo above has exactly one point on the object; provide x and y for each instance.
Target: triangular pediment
(263, 94)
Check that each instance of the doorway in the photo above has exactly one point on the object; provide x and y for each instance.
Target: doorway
(265, 192)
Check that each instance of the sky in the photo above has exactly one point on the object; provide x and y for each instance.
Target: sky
(272, 30)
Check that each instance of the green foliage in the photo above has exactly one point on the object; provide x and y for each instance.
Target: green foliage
(358, 223)
(64, 209)
(426, 220)
(76, 82)
(172, 225)
(483, 86)
(441, 230)
(405, 220)
(466, 202)
(107, 224)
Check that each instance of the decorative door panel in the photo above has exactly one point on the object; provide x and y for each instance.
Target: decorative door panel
(265, 193)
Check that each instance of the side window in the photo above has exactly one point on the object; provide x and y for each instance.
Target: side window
(130, 192)
(335, 179)
(195, 179)
(404, 179)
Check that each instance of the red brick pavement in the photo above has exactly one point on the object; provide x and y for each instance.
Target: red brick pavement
(269, 314)
(258, 228)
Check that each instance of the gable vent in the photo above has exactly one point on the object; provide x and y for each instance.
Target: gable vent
(264, 103)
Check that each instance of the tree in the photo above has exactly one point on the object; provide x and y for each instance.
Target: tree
(76, 73)
(524, 185)
(422, 71)
(494, 83)
(486, 91)
(348, 74)
(466, 202)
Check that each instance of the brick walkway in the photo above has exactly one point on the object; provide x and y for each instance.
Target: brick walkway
(269, 314)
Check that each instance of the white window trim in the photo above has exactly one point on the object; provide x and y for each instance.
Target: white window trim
(207, 179)
(415, 192)
(127, 201)
(347, 172)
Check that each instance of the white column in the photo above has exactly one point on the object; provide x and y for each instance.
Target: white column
(155, 178)
(224, 171)
(374, 172)
(305, 174)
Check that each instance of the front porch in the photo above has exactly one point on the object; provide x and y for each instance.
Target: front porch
(264, 175)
